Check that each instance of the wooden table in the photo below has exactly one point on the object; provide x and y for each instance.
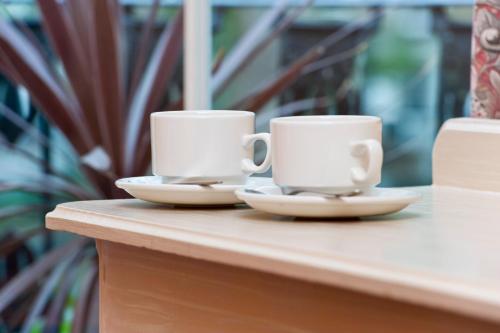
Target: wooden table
(435, 267)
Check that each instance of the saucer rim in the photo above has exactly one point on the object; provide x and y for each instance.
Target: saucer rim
(407, 196)
(124, 184)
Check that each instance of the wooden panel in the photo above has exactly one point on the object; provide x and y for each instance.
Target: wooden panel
(467, 154)
(438, 252)
(147, 291)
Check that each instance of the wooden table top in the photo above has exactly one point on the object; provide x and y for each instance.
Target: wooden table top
(443, 251)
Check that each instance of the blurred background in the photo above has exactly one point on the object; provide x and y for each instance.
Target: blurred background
(78, 79)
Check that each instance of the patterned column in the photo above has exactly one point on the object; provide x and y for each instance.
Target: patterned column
(485, 80)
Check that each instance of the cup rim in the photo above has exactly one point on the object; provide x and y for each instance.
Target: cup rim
(201, 113)
(326, 119)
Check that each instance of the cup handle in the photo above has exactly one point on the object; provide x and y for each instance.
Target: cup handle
(373, 149)
(248, 165)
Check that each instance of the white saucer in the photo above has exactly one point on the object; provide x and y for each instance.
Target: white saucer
(377, 201)
(151, 188)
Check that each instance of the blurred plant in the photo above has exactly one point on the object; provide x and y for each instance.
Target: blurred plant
(99, 92)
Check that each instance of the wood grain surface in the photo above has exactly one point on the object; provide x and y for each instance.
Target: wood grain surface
(148, 292)
(439, 252)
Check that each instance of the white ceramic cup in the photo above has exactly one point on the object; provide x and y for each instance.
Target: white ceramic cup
(326, 154)
(215, 145)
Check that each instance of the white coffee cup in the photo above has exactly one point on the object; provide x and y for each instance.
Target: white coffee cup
(326, 154)
(215, 145)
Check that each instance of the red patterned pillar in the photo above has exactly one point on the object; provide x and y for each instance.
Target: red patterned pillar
(485, 81)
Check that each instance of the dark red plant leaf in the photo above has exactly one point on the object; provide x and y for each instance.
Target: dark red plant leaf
(33, 73)
(14, 317)
(63, 187)
(143, 48)
(34, 133)
(82, 307)
(80, 13)
(58, 184)
(33, 273)
(143, 153)
(45, 292)
(54, 183)
(218, 59)
(256, 47)
(364, 22)
(259, 99)
(61, 32)
(22, 124)
(35, 159)
(56, 308)
(30, 35)
(93, 315)
(152, 86)
(177, 105)
(289, 75)
(17, 240)
(102, 181)
(108, 79)
(335, 58)
(295, 107)
(239, 55)
(7, 69)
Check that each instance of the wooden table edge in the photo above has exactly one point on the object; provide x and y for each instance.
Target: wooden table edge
(427, 290)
